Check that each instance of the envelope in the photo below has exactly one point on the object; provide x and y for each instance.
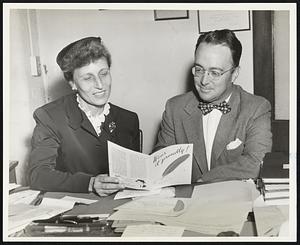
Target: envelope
(234, 144)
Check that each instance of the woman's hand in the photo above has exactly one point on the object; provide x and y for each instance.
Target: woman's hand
(105, 185)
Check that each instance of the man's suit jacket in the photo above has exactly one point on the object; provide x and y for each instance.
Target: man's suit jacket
(248, 121)
(66, 150)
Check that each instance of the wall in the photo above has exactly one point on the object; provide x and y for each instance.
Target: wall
(25, 91)
(281, 69)
(151, 60)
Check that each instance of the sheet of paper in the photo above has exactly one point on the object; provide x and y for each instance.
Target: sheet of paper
(21, 214)
(277, 202)
(277, 186)
(25, 197)
(56, 203)
(156, 205)
(131, 215)
(277, 194)
(234, 190)
(286, 166)
(211, 218)
(12, 186)
(169, 166)
(135, 193)
(164, 192)
(152, 231)
(268, 220)
(124, 223)
(276, 180)
(78, 200)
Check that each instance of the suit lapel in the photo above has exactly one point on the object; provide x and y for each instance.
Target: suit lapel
(194, 131)
(77, 118)
(225, 127)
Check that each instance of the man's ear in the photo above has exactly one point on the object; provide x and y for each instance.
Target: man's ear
(73, 85)
(235, 74)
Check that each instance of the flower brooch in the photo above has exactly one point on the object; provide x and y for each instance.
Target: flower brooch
(112, 126)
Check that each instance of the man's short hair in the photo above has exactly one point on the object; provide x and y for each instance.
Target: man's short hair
(224, 37)
(80, 53)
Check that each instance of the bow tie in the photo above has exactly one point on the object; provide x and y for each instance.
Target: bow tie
(207, 108)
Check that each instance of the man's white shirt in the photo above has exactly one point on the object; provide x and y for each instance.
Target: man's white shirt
(210, 125)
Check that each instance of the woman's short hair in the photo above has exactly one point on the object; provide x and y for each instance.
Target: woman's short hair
(224, 37)
(81, 53)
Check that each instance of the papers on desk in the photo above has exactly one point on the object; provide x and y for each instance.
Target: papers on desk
(26, 197)
(120, 225)
(164, 192)
(268, 219)
(153, 231)
(20, 214)
(213, 208)
(153, 206)
(13, 186)
(78, 200)
(234, 190)
(211, 218)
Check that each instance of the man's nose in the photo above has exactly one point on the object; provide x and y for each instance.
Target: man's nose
(205, 78)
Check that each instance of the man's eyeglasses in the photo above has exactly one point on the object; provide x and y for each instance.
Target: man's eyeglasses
(199, 71)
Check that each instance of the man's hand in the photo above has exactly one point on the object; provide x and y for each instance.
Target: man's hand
(105, 185)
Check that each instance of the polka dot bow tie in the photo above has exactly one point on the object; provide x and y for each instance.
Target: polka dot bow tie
(207, 108)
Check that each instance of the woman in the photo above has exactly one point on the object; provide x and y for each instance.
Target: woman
(69, 143)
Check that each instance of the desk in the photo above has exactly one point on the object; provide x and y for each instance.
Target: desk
(105, 205)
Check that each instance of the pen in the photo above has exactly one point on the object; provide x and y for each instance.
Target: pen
(59, 229)
(56, 228)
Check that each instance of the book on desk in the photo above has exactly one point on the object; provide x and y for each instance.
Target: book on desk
(274, 178)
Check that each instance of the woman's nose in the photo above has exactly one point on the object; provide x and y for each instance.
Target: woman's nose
(98, 82)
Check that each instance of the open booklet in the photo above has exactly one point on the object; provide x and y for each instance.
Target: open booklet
(169, 166)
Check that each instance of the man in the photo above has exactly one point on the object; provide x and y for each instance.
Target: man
(229, 127)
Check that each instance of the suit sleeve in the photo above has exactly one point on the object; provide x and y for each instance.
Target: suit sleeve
(42, 174)
(136, 133)
(258, 141)
(166, 134)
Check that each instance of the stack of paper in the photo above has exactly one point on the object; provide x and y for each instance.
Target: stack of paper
(213, 208)
(268, 219)
(149, 209)
(20, 214)
(26, 196)
(217, 207)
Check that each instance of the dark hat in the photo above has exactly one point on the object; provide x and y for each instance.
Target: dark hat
(66, 55)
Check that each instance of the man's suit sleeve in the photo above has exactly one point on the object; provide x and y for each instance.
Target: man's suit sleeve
(42, 174)
(258, 141)
(166, 134)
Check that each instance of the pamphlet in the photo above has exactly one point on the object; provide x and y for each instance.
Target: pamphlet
(169, 166)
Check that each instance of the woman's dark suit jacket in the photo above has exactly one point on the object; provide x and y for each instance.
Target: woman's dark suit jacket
(66, 151)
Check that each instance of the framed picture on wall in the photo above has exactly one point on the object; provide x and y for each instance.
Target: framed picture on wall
(235, 20)
(170, 14)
